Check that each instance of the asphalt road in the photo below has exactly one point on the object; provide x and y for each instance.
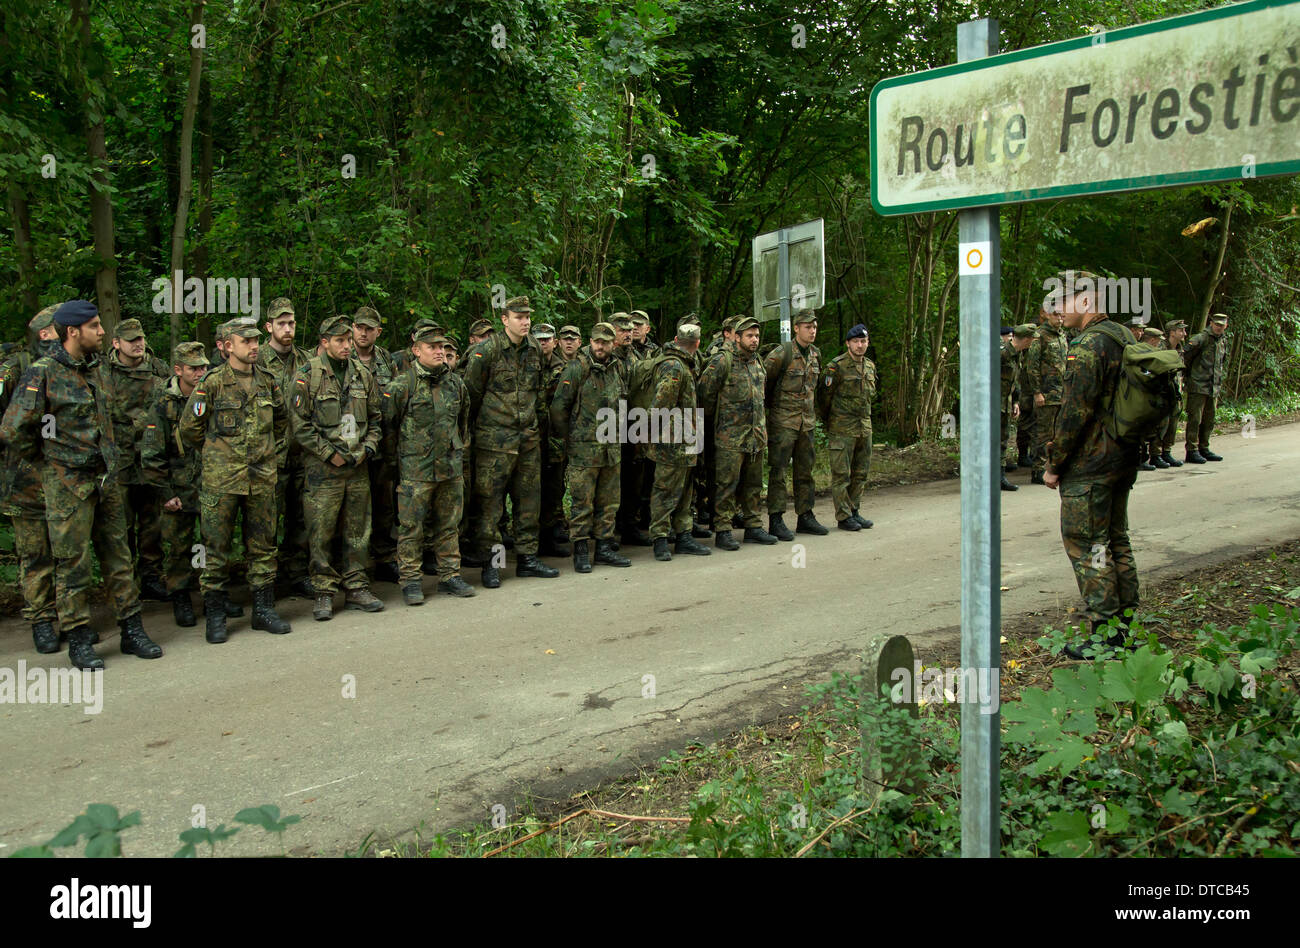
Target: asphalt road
(425, 718)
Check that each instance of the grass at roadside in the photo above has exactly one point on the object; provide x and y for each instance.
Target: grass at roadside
(1189, 746)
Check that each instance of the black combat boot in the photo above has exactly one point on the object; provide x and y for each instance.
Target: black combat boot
(80, 650)
(491, 577)
(581, 558)
(662, 553)
(759, 535)
(549, 545)
(737, 522)
(135, 641)
(264, 614)
(457, 587)
(725, 541)
(606, 555)
(1157, 460)
(152, 588)
(776, 526)
(233, 609)
(1023, 460)
(413, 594)
(1194, 457)
(1007, 485)
(1210, 455)
(807, 523)
(214, 610)
(1145, 465)
(849, 523)
(527, 564)
(866, 524)
(44, 637)
(302, 587)
(1170, 459)
(635, 536)
(686, 544)
(700, 531)
(1037, 478)
(386, 572)
(183, 609)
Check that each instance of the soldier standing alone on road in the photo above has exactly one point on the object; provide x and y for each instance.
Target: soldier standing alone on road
(59, 421)
(238, 419)
(844, 406)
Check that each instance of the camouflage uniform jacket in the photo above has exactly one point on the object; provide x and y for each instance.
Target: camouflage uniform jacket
(241, 435)
(330, 418)
(674, 388)
(552, 440)
(20, 481)
(1009, 375)
(283, 367)
(505, 393)
(845, 395)
(1204, 357)
(583, 390)
(80, 449)
(731, 393)
(1081, 447)
(1045, 363)
(645, 350)
(382, 366)
(174, 472)
(131, 393)
(791, 393)
(426, 420)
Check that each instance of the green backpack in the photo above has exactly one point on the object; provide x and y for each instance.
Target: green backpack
(641, 381)
(1147, 390)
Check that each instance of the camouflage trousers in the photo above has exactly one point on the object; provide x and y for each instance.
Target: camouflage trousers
(383, 507)
(217, 514)
(1094, 529)
(671, 500)
(850, 466)
(738, 476)
(77, 524)
(1044, 431)
(495, 473)
(36, 568)
(1170, 430)
(595, 493)
(784, 449)
(144, 529)
(178, 542)
(418, 504)
(1006, 436)
(704, 480)
(290, 485)
(1200, 420)
(337, 504)
(630, 488)
(1026, 426)
(553, 479)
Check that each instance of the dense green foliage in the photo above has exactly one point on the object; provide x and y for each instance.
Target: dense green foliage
(594, 155)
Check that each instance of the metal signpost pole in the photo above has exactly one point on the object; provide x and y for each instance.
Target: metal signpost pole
(783, 279)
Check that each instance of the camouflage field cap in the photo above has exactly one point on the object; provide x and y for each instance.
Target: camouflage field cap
(367, 316)
(688, 332)
(335, 326)
(745, 323)
(129, 329)
(279, 306)
(44, 319)
(620, 321)
(433, 335)
(1175, 325)
(481, 327)
(1024, 331)
(451, 342)
(1153, 331)
(190, 353)
(602, 332)
(245, 326)
(640, 317)
(729, 324)
(518, 304)
(543, 331)
(1220, 318)
(570, 332)
(804, 316)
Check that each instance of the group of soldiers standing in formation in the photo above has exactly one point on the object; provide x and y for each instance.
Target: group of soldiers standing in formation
(1072, 361)
(355, 463)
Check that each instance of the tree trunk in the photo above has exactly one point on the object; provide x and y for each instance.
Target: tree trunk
(1216, 276)
(186, 174)
(203, 326)
(23, 244)
(101, 202)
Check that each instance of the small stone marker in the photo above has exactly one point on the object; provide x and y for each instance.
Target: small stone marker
(883, 660)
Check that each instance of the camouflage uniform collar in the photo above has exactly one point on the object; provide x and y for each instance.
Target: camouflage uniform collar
(435, 374)
(60, 354)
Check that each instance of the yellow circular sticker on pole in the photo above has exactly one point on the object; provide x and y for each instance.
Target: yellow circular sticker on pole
(973, 258)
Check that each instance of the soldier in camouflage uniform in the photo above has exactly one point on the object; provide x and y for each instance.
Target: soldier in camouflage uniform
(792, 370)
(403, 360)
(732, 391)
(176, 475)
(366, 328)
(23, 500)
(641, 343)
(1093, 472)
(588, 390)
(1044, 365)
(504, 378)
(1013, 343)
(426, 414)
(238, 419)
(1174, 341)
(1204, 358)
(675, 374)
(338, 423)
(133, 374)
(632, 463)
(554, 538)
(59, 421)
(283, 359)
(570, 341)
(705, 489)
(844, 407)
(1150, 453)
